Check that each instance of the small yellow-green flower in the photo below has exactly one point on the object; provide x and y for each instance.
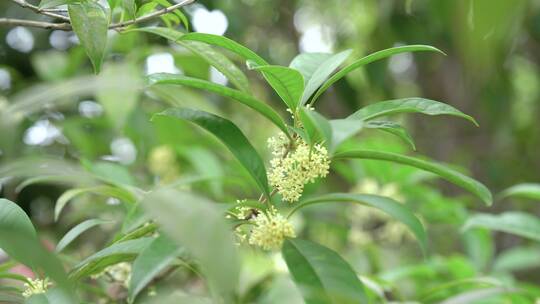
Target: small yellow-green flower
(162, 163)
(36, 286)
(270, 230)
(292, 168)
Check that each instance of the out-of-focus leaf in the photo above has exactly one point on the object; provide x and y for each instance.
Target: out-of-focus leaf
(214, 58)
(528, 191)
(45, 168)
(90, 23)
(19, 240)
(446, 173)
(474, 296)
(481, 282)
(230, 135)
(288, 83)
(392, 128)
(391, 207)
(226, 43)
(480, 247)
(206, 164)
(131, 8)
(517, 258)
(45, 4)
(67, 196)
(318, 76)
(370, 58)
(242, 97)
(152, 260)
(321, 274)
(114, 254)
(343, 129)
(408, 105)
(110, 172)
(78, 230)
(197, 225)
(119, 102)
(518, 223)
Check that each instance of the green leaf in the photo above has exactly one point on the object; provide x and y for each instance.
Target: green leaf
(518, 223)
(67, 196)
(239, 96)
(517, 258)
(308, 63)
(197, 224)
(19, 240)
(288, 83)
(408, 105)
(392, 128)
(343, 129)
(90, 23)
(527, 190)
(317, 127)
(130, 7)
(214, 58)
(321, 274)
(444, 172)
(368, 59)
(78, 230)
(231, 136)
(45, 4)
(226, 43)
(114, 254)
(324, 69)
(152, 260)
(385, 204)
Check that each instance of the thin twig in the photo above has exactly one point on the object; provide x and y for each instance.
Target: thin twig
(38, 24)
(67, 26)
(38, 10)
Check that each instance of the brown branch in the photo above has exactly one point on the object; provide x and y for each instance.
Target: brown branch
(67, 26)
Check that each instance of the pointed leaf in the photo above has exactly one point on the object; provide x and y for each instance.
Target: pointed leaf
(343, 129)
(385, 204)
(72, 234)
(446, 173)
(528, 191)
(152, 260)
(307, 63)
(246, 99)
(368, 59)
(321, 274)
(317, 127)
(518, 223)
(90, 23)
(207, 53)
(230, 135)
(408, 105)
(320, 75)
(226, 43)
(199, 226)
(392, 128)
(288, 83)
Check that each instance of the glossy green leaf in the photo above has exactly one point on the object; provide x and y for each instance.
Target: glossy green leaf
(199, 226)
(317, 127)
(152, 260)
(513, 222)
(214, 58)
(392, 128)
(45, 4)
(90, 23)
(321, 274)
(396, 210)
(324, 69)
(444, 172)
(72, 234)
(288, 83)
(230, 135)
(109, 191)
(19, 240)
(114, 254)
(226, 43)
(527, 191)
(239, 96)
(408, 105)
(308, 63)
(343, 129)
(130, 8)
(368, 59)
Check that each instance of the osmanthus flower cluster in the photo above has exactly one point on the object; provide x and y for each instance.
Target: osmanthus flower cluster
(294, 165)
(270, 230)
(36, 286)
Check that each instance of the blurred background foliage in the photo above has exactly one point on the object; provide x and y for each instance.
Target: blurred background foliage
(491, 72)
